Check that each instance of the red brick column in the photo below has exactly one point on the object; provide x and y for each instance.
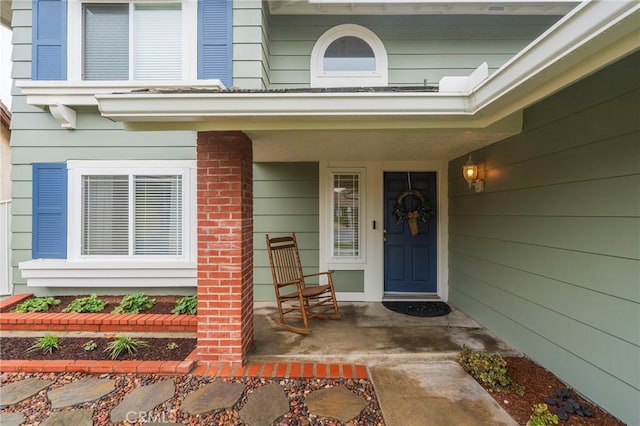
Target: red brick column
(225, 247)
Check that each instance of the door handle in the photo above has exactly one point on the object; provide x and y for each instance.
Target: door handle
(384, 235)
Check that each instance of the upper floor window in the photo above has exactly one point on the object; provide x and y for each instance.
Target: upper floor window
(348, 56)
(132, 41)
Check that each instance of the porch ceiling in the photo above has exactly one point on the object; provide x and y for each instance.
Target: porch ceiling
(377, 145)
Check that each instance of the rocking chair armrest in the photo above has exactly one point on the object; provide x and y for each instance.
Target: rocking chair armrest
(318, 274)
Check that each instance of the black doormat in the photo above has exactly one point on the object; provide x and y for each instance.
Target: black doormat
(419, 309)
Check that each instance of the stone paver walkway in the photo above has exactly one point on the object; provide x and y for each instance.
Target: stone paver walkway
(18, 391)
(82, 417)
(85, 390)
(264, 404)
(11, 419)
(142, 400)
(213, 396)
(336, 402)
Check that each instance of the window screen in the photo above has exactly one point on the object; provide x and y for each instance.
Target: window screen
(156, 39)
(106, 42)
(346, 215)
(158, 215)
(105, 216)
(157, 42)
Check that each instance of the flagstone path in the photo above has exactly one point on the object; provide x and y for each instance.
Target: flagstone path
(261, 405)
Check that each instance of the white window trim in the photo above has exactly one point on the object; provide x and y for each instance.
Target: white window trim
(346, 262)
(189, 37)
(321, 78)
(79, 168)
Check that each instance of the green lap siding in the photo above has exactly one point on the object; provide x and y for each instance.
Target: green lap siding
(286, 198)
(419, 47)
(548, 257)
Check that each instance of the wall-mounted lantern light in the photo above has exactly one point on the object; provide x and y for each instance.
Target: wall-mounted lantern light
(470, 173)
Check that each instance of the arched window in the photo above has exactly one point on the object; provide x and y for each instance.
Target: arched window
(348, 56)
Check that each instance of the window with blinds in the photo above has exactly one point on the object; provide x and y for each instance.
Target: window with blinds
(130, 215)
(346, 215)
(123, 41)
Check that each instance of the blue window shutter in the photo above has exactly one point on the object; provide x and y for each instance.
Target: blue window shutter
(49, 42)
(215, 44)
(49, 232)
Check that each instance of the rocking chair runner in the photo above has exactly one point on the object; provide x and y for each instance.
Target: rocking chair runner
(297, 301)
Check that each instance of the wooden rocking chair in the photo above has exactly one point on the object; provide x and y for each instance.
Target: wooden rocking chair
(297, 301)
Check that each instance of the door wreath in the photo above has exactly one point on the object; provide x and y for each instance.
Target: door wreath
(424, 212)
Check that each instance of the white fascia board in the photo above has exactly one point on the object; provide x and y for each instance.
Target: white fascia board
(43, 93)
(189, 106)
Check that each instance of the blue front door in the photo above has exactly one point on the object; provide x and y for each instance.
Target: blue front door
(410, 258)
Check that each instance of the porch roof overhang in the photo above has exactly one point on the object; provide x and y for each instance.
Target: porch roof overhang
(591, 36)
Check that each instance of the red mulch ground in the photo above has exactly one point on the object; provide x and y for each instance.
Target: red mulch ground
(163, 305)
(72, 348)
(539, 383)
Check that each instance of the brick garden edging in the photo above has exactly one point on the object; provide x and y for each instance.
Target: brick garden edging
(91, 321)
(94, 322)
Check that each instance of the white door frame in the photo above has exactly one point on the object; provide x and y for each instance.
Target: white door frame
(374, 211)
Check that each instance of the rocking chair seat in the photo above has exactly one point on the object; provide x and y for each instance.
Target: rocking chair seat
(308, 292)
(296, 301)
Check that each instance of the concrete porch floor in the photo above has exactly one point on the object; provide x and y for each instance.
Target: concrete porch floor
(412, 361)
(369, 333)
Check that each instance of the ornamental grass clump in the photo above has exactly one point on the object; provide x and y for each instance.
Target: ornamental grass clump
(122, 344)
(37, 304)
(47, 344)
(86, 304)
(490, 370)
(134, 304)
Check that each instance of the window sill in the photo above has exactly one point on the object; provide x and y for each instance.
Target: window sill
(108, 273)
(61, 96)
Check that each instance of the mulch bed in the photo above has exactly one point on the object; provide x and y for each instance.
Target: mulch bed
(163, 305)
(72, 348)
(38, 407)
(539, 383)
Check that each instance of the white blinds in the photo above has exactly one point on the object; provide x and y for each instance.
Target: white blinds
(157, 42)
(132, 215)
(158, 215)
(105, 218)
(346, 215)
(106, 42)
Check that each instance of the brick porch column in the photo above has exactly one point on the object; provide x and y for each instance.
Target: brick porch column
(225, 247)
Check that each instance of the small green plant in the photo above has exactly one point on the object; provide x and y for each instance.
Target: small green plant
(172, 345)
(123, 344)
(490, 370)
(37, 304)
(47, 344)
(134, 304)
(542, 417)
(188, 305)
(86, 304)
(90, 346)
